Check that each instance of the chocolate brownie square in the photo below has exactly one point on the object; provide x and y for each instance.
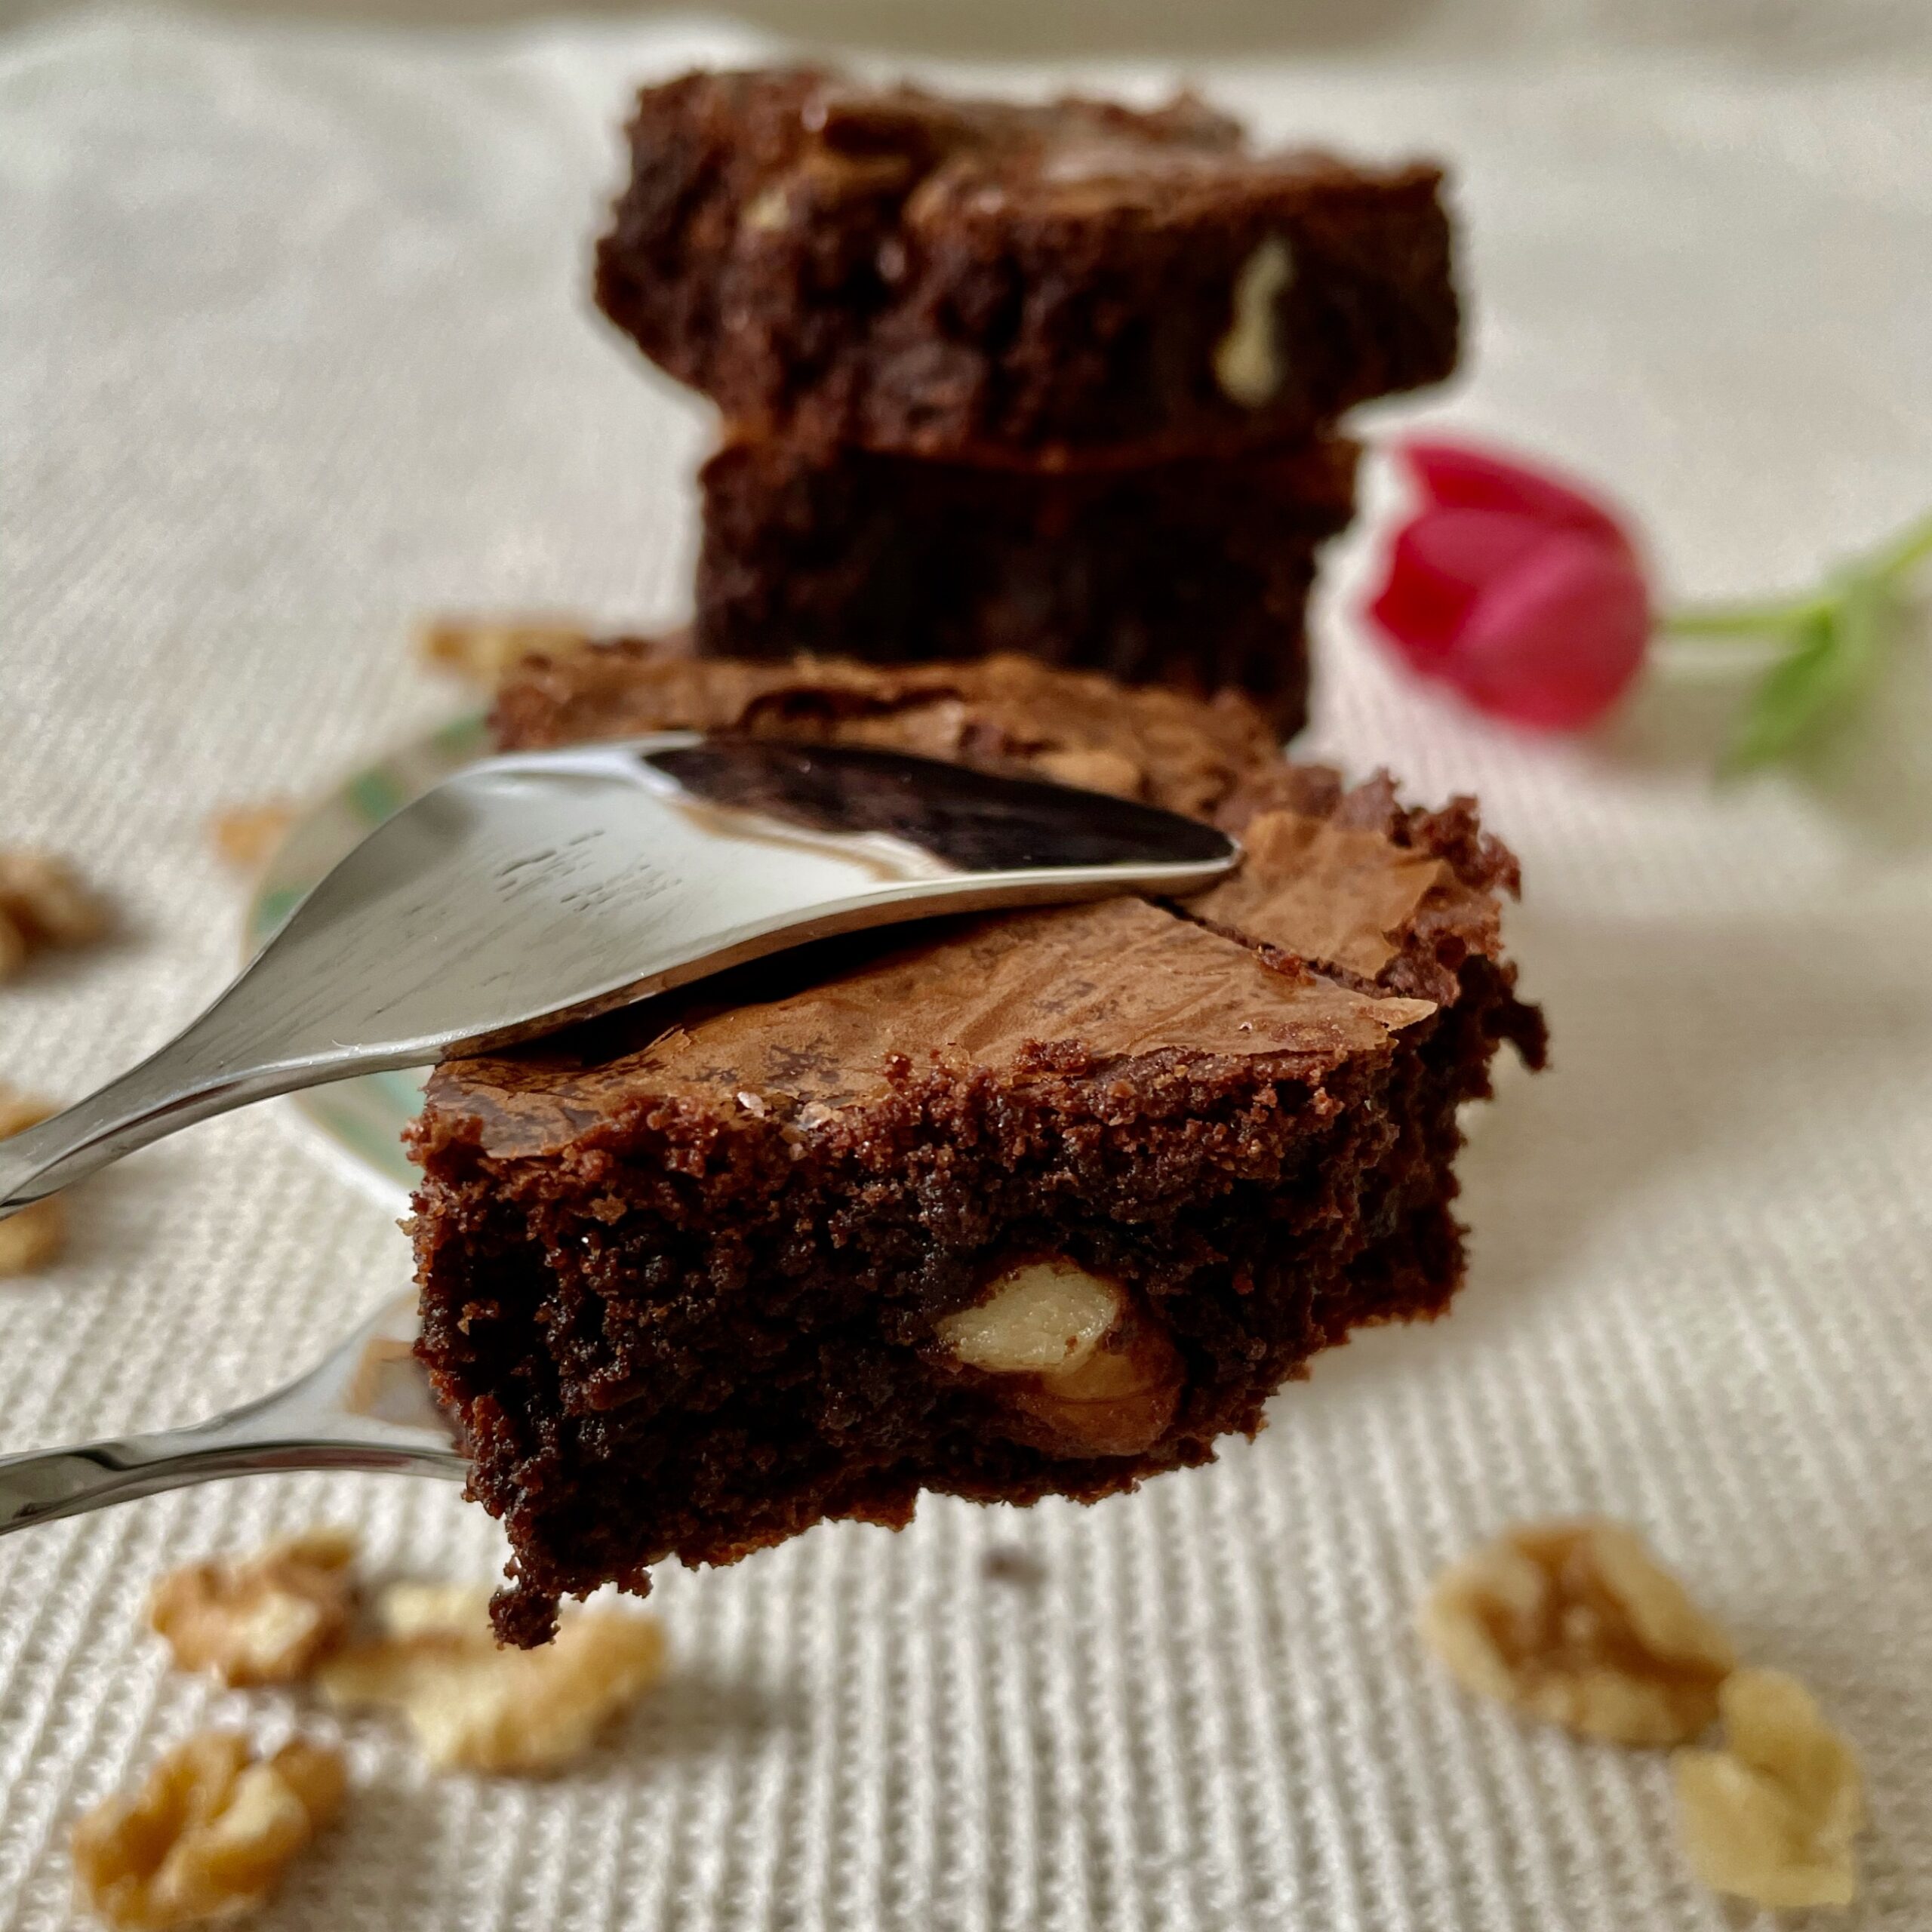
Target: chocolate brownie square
(1044, 1203)
(886, 268)
(1195, 573)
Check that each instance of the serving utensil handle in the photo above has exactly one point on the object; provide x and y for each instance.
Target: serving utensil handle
(43, 1486)
(182, 1083)
(366, 1405)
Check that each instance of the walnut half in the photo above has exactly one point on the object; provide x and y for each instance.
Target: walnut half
(208, 1836)
(1249, 365)
(1771, 1817)
(475, 1706)
(268, 1620)
(1076, 1367)
(1577, 1623)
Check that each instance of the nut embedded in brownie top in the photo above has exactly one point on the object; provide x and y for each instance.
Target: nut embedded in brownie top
(1075, 282)
(1041, 1203)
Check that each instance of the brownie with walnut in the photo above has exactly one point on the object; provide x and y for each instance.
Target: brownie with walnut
(1040, 1204)
(1074, 282)
(1193, 573)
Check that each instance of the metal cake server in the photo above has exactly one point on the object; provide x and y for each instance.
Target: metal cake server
(533, 890)
(366, 1405)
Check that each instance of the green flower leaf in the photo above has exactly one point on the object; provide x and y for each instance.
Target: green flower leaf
(1835, 654)
(1786, 699)
(1831, 643)
(1830, 646)
(1907, 550)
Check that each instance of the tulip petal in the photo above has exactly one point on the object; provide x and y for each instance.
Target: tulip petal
(1556, 641)
(1438, 567)
(1456, 478)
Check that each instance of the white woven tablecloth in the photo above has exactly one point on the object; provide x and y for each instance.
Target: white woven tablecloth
(294, 345)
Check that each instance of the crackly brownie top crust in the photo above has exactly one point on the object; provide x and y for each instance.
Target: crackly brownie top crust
(1128, 980)
(1347, 924)
(1319, 891)
(1000, 712)
(820, 134)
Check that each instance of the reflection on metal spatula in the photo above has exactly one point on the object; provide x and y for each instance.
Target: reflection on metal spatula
(533, 890)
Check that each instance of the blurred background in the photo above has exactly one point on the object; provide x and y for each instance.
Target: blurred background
(1773, 30)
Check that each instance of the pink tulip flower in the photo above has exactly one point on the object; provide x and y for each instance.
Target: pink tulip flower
(1522, 593)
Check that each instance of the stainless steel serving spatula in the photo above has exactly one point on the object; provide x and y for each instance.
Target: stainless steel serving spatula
(367, 1405)
(530, 891)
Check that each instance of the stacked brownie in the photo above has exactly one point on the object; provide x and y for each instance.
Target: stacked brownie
(1031, 448)
(1059, 379)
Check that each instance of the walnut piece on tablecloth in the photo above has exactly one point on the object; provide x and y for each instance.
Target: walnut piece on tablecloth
(482, 650)
(1772, 1816)
(246, 836)
(474, 1706)
(43, 903)
(268, 1620)
(33, 1237)
(208, 1836)
(1577, 1623)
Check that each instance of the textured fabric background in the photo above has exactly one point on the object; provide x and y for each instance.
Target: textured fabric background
(293, 345)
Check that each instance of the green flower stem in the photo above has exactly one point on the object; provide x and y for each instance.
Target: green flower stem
(1785, 616)
(1827, 646)
(1745, 620)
